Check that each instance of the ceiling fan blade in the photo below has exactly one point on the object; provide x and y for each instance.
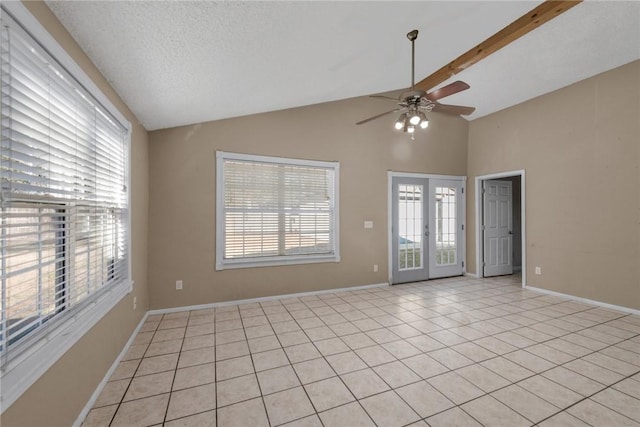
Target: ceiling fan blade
(383, 97)
(378, 116)
(447, 90)
(536, 17)
(453, 109)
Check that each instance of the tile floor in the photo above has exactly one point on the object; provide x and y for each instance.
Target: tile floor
(451, 352)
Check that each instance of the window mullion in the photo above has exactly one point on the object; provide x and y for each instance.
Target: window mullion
(282, 232)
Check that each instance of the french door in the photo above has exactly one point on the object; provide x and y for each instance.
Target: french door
(427, 226)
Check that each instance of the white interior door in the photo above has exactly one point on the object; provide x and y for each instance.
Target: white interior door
(497, 199)
(409, 227)
(446, 228)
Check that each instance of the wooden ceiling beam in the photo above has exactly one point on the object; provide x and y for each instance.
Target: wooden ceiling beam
(518, 28)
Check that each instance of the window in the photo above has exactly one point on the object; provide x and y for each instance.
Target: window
(64, 204)
(275, 211)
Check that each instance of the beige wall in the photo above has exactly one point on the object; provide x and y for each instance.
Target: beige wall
(182, 195)
(57, 398)
(580, 148)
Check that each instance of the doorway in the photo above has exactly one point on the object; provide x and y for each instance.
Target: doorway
(426, 227)
(500, 220)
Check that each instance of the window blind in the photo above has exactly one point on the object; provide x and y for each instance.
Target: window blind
(64, 204)
(277, 209)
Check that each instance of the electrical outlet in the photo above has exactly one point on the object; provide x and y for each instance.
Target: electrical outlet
(375, 268)
(538, 270)
(178, 285)
(135, 302)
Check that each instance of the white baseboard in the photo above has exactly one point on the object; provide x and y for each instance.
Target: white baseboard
(585, 300)
(85, 411)
(263, 299)
(466, 273)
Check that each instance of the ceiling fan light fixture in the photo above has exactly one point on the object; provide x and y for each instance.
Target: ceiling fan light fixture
(400, 123)
(411, 129)
(424, 123)
(415, 118)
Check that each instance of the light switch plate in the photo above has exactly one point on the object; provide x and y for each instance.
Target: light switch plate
(368, 224)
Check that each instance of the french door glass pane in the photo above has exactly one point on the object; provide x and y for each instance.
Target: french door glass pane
(445, 226)
(410, 222)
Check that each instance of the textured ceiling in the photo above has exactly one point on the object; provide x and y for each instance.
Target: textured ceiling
(182, 62)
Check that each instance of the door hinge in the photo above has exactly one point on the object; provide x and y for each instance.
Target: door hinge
(462, 264)
(462, 227)
(462, 190)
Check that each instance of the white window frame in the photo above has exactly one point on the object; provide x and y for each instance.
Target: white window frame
(28, 363)
(222, 264)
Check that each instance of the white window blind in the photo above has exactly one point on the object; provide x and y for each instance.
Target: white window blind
(64, 202)
(276, 211)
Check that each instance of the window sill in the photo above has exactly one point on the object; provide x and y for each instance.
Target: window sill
(273, 262)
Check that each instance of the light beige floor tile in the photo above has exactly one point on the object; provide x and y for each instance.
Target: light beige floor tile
(200, 341)
(482, 377)
(514, 339)
(401, 349)
(551, 354)
(150, 326)
(125, 369)
(346, 362)
(619, 402)
(258, 331)
(364, 383)
(611, 363)
(455, 388)
(169, 334)
(196, 357)
(507, 369)
(269, 359)
(258, 345)
(112, 393)
(302, 352)
(194, 376)
(450, 358)
(620, 353)
(453, 417)
(491, 412)
(563, 419)
(351, 415)
(329, 393)
(310, 421)
(287, 406)
(401, 329)
(381, 336)
(530, 361)
(425, 343)
(234, 349)
(366, 324)
(425, 366)
(359, 340)
(100, 417)
(473, 351)
(149, 385)
(237, 389)
(163, 347)
(629, 386)
(396, 374)
(173, 323)
(288, 339)
(447, 338)
(375, 355)
(135, 351)
(228, 325)
(277, 379)
(424, 399)
(143, 338)
(313, 370)
(389, 410)
(572, 380)
(249, 413)
(525, 403)
(196, 330)
(142, 412)
(155, 364)
(550, 391)
(205, 419)
(593, 371)
(231, 368)
(495, 345)
(568, 347)
(344, 328)
(319, 333)
(226, 337)
(331, 346)
(192, 401)
(595, 414)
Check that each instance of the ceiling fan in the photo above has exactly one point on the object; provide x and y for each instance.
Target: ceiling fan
(414, 103)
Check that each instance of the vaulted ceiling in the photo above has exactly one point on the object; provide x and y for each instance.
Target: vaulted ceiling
(182, 62)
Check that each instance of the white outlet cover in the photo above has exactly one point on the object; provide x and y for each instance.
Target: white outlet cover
(368, 224)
